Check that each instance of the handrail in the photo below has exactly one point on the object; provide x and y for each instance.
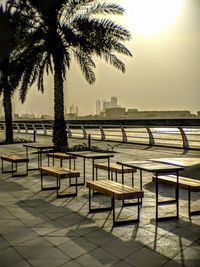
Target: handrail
(169, 136)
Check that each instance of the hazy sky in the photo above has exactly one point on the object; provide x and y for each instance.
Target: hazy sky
(164, 73)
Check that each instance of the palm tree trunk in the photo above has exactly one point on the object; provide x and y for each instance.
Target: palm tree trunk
(8, 114)
(59, 127)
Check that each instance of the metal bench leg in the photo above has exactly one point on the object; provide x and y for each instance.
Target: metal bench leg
(168, 202)
(12, 168)
(96, 173)
(132, 178)
(190, 213)
(66, 194)
(91, 210)
(189, 201)
(119, 222)
(10, 171)
(46, 188)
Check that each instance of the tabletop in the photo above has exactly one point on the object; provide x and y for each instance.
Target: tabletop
(183, 161)
(152, 166)
(90, 154)
(39, 146)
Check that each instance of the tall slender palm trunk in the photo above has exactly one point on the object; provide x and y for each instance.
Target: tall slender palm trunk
(7, 103)
(59, 127)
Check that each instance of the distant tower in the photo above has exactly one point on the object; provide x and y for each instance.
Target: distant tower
(114, 101)
(98, 107)
(1, 109)
(77, 111)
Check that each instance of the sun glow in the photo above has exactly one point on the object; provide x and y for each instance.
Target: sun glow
(148, 17)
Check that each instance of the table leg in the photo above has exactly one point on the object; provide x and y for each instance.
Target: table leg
(92, 169)
(84, 170)
(156, 196)
(108, 168)
(140, 179)
(122, 174)
(177, 194)
(32, 169)
(39, 160)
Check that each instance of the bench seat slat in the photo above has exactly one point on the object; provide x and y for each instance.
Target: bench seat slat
(116, 190)
(14, 158)
(184, 182)
(60, 171)
(114, 167)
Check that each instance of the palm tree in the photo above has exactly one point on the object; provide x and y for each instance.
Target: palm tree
(60, 30)
(7, 44)
(13, 31)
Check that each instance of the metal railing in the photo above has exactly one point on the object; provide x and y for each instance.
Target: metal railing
(187, 137)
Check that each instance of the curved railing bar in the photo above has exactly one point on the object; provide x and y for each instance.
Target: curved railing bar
(151, 138)
(69, 132)
(184, 138)
(124, 135)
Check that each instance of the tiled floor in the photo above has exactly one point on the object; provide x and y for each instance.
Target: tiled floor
(36, 229)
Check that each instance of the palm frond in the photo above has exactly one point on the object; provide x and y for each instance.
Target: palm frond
(87, 65)
(113, 60)
(103, 9)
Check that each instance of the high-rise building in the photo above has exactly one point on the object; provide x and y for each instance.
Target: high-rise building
(98, 107)
(110, 104)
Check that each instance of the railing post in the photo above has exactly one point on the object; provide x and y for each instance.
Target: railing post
(124, 135)
(26, 128)
(103, 137)
(151, 138)
(18, 128)
(89, 141)
(34, 135)
(44, 128)
(184, 138)
(69, 132)
(84, 132)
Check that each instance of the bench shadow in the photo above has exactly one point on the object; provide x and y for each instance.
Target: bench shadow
(105, 246)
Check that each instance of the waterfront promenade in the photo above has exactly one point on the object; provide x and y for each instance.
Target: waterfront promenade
(36, 229)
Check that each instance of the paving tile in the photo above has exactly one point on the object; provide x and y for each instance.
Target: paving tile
(46, 262)
(72, 263)
(124, 264)
(3, 243)
(42, 253)
(21, 263)
(97, 257)
(121, 249)
(146, 257)
(36, 242)
(20, 234)
(58, 240)
(77, 247)
(9, 256)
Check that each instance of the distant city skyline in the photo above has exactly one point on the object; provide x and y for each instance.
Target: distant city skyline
(162, 75)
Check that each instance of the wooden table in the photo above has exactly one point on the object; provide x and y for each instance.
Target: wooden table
(158, 168)
(93, 156)
(40, 149)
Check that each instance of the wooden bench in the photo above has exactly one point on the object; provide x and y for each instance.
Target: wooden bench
(184, 183)
(59, 173)
(114, 168)
(14, 159)
(115, 191)
(61, 156)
